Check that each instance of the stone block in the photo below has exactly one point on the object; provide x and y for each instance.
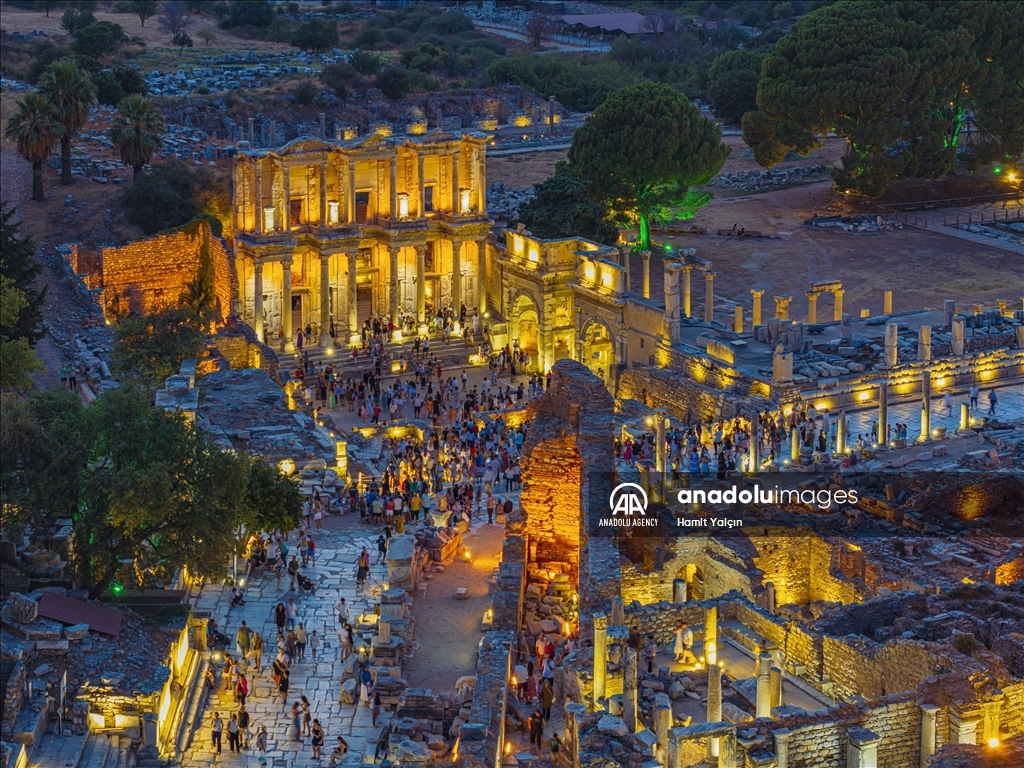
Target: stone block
(349, 691)
(76, 631)
(24, 609)
(612, 726)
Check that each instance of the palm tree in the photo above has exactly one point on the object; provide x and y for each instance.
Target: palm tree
(35, 131)
(71, 92)
(136, 131)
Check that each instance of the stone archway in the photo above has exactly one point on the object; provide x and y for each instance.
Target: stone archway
(597, 348)
(524, 327)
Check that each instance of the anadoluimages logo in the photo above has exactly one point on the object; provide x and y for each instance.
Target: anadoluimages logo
(628, 499)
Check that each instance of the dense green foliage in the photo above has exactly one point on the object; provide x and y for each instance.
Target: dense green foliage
(35, 130)
(18, 264)
(900, 82)
(579, 84)
(17, 360)
(172, 194)
(732, 84)
(315, 36)
(113, 85)
(70, 91)
(563, 207)
(251, 13)
(149, 348)
(139, 483)
(642, 153)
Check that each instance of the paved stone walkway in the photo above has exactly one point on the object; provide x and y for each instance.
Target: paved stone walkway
(338, 546)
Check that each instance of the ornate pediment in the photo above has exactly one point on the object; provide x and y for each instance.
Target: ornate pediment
(304, 145)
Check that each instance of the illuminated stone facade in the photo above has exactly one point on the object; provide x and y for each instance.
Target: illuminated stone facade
(342, 231)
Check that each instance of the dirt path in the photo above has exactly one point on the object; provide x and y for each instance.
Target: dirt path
(448, 630)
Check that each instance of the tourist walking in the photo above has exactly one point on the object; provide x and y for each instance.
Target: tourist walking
(292, 613)
(218, 729)
(362, 567)
(256, 646)
(233, 734)
(318, 739)
(536, 727)
(306, 717)
(650, 652)
(345, 640)
(261, 744)
(314, 644)
(280, 619)
(992, 402)
(243, 726)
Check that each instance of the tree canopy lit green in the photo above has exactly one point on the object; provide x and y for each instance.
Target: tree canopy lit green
(911, 86)
(644, 152)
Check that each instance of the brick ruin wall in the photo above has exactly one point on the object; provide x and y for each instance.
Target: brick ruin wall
(551, 499)
(239, 345)
(1010, 571)
(481, 739)
(149, 275)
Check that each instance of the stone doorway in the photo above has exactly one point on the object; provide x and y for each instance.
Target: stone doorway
(598, 349)
(297, 313)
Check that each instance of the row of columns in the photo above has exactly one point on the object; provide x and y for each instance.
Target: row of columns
(325, 339)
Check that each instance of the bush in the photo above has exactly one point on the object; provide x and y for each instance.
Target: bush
(251, 13)
(315, 36)
(370, 38)
(366, 63)
(421, 81)
(306, 92)
(108, 90)
(202, 90)
(280, 30)
(397, 36)
(46, 53)
(343, 79)
(965, 644)
(513, 70)
(394, 82)
(172, 195)
(99, 39)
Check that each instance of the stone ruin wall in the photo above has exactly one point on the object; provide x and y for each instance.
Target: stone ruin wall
(149, 275)
(551, 500)
(801, 567)
(678, 394)
(645, 327)
(482, 737)
(239, 345)
(1009, 572)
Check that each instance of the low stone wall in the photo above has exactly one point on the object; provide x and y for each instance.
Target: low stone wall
(481, 738)
(239, 345)
(682, 397)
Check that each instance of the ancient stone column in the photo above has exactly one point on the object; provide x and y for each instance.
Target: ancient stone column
(600, 657)
(764, 681)
(323, 193)
(645, 257)
(672, 273)
(536, 123)
(252, 132)
(926, 406)
(393, 188)
(770, 595)
(990, 724)
(929, 712)
(393, 282)
(482, 185)
(924, 343)
(551, 117)
(776, 686)
(887, 303)
(456, 277)
(323, 126)
(679, 591)
(965, 417)
(286, 182)
(662, 724)
(350, 196)
(421, 283)
(891, 345)
(948, 312)
(781, 747)
(883, 412)
(794, 445)
(257, 300)
(455, 185)
(1020, 336)
(629, 711)
(711, 635)
(737, 321)
(659, 436)
(782, 307)
(481, 276)
(841, 433)
(258, 198)
(325, 301)
(687, 269)
(353, 317)
(624, 254)
(862, 748)
(714, 705)
(288, 343)
(1001, 304)
(384, 630)
(420, 206)
(837, 314)
(756, 294)
(959, 324)
(812, 307)
(273, 133)
(709, 297)
(846, 327)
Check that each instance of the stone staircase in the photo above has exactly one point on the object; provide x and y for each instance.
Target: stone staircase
(104, 750)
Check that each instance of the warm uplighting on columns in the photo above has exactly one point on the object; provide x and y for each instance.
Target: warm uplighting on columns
(403, 205)
(333, 212)
(464, 201)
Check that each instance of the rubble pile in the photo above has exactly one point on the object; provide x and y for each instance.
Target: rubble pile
(862, 223)
(503, 201)
(996, 233)
(605, 740)
(758, 180)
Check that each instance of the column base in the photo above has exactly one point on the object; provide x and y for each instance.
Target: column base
(288, 346)
(326, 341)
